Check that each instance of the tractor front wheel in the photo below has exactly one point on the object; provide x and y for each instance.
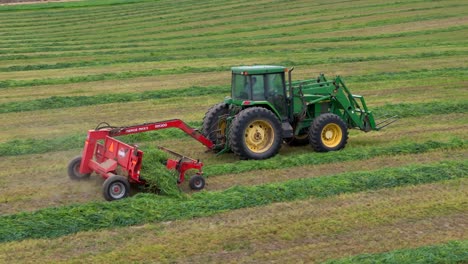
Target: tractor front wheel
(115, 187)
(74, 170)
(328, 132)
(255, 133)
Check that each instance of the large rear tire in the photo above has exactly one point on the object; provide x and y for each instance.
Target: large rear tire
(213, 128)
(328, 132)
(255, 133)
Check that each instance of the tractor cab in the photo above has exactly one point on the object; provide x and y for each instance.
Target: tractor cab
(260, 85)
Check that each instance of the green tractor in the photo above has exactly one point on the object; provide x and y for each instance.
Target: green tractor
(264, 111)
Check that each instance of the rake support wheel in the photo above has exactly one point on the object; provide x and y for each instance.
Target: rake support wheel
(197, 182)
(115, 187)
(74, 170)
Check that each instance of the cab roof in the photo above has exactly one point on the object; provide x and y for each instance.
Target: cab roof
(258, 69)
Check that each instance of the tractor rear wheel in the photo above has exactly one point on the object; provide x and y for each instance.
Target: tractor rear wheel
(74, 170)
(255, 133)
(115, 187)
(213, 128)
(328, 132)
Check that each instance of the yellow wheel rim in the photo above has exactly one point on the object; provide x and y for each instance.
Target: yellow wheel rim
(331, 135)
(222, 127)
(259, 136)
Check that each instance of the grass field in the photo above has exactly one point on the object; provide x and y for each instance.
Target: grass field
(395, 196)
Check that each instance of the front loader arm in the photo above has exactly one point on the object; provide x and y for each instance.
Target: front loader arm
(359, 115)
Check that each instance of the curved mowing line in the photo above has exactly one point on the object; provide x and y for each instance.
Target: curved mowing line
(133, 28)
(450, 252)
(257, 28)
(80, 29)
(179, 18)
(34, 19)
(232, 32)
(210, 45)
(131, 24)
(145, 208)
(181, 15)
(227, 43)
(26, 20)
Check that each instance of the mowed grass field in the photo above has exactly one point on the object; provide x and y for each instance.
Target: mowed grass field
(398, 195)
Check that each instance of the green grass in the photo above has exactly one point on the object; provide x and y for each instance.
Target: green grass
(407, 58)
(159, 179)
(314, 158)
(144, 208)
(403, 110)
(55, 102)
(451, 252)
(77, 4)
(35, 146)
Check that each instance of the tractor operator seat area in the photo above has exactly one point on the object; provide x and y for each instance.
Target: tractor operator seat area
(260, 87)
(268, 87)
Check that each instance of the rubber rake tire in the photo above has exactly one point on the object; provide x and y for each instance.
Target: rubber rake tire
(115, 187)
(210, 121)
(74, 170)
(255, 133)
(328, 132)
(197, 182)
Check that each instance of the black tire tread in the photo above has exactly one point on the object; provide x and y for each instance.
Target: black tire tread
(315, 131)
(193, 180)
(71, 170)
(210, 120)
(236, 133)
(109, 181)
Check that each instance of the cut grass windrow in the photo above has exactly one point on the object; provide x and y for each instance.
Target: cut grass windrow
(314, 158)
(451, 252)
(66, 65)
(108, 76)
(420, 73)
(37, 146)
(144, 208)
(55, 102)
(156, 52)
(33, 39)
(72, 4)
(149, 23)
